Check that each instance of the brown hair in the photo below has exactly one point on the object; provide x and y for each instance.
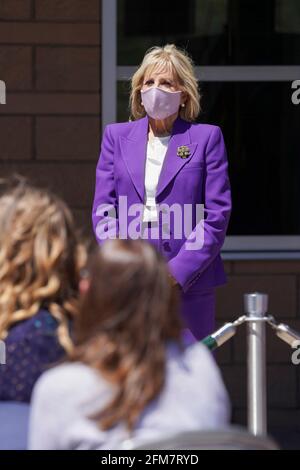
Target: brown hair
(41, 256)
(128, 314)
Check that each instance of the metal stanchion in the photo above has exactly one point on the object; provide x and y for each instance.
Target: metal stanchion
(256, 306)
(256, 317)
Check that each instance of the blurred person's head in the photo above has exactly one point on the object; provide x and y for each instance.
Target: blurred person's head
(128, 314)
(41, 256)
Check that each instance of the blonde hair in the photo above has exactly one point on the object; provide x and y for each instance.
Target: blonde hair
(40, 258)
(181, 65)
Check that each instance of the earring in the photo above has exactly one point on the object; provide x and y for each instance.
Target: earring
(183, 105)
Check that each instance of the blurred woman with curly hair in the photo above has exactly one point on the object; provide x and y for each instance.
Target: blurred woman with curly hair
(40, 260)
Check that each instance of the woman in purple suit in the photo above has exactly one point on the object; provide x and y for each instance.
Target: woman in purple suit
(163, 177)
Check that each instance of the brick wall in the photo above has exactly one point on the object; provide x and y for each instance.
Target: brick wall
(281, 281)
(50, 126)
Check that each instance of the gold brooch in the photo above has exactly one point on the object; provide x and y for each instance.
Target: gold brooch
(183, 151)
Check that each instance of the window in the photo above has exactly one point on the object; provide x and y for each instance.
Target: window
(215, 32)
(247, 54)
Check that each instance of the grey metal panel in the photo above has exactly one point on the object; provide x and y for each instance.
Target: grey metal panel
(109, 62)
(234, 73)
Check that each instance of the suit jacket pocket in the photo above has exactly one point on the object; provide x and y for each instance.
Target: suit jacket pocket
(193, 166)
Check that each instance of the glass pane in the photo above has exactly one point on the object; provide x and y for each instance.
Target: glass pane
(123, 91)
(214, 32)
(261, 130)
(287, 16)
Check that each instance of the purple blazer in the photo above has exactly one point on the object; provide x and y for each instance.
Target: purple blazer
(200, 178)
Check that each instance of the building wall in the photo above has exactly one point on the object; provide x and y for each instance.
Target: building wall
(49, 130)
(50, 126)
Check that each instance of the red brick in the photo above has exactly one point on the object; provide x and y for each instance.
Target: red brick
(228, 267)
(64, 10)
(283, 426)
(15, 138)
(224, 353)
(15, 67)
(266, 267)
(239, 417)
(235, 379)
(48, 33)
(297, 370)
(46, 103)
(68, 68)
(281, 385)
(284, 417)
(61, 138)
(298, 296)
(15, 9)
(282, 291)
(73, 182)
(83, 221)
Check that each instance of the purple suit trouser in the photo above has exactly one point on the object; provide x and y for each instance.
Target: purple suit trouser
(194, 303)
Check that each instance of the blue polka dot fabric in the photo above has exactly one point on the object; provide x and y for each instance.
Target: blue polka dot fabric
(31, 348)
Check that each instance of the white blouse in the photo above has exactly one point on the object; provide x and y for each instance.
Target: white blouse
(156, 152)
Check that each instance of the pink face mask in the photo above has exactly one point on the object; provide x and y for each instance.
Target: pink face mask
(160, 104)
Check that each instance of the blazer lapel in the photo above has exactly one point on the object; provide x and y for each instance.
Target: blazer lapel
(134, 152)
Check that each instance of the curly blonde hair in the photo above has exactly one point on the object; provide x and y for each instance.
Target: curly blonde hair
(177, 62)
(41, 256)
